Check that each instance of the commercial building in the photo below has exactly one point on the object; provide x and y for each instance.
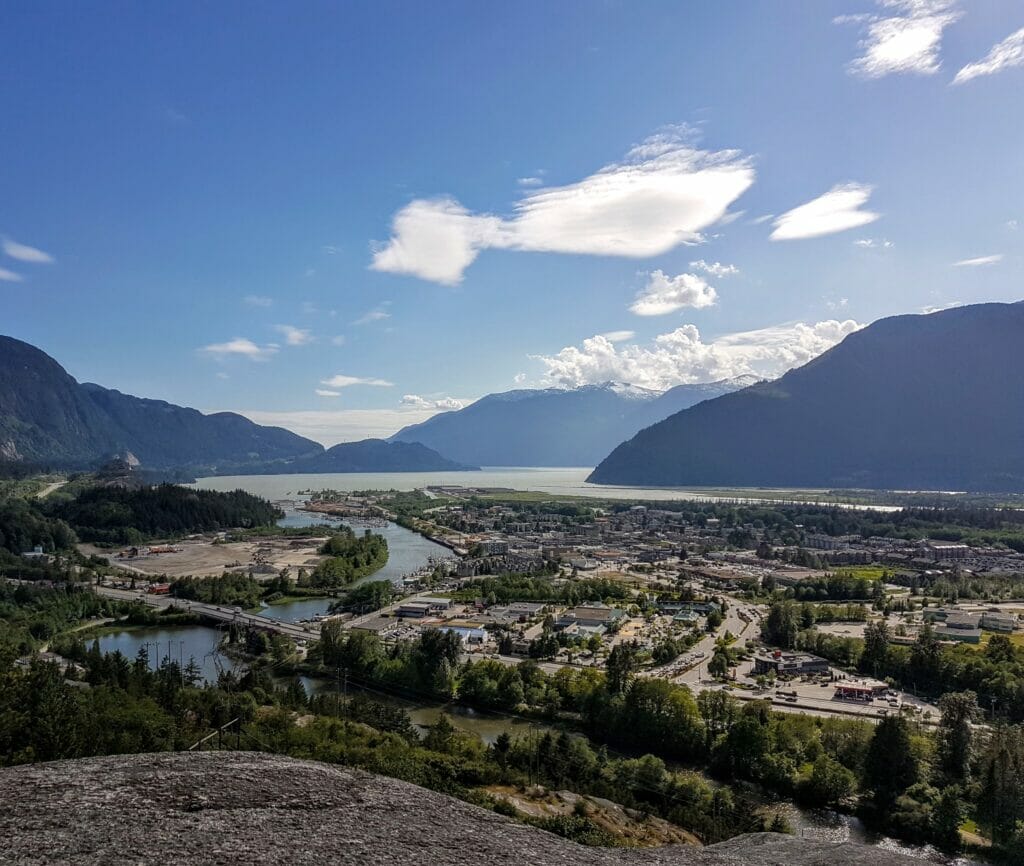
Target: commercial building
(789, 664)
(860, 690)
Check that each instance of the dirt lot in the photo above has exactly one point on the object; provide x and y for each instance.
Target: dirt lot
(201, 557)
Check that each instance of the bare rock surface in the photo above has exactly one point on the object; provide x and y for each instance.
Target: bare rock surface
(245, 807)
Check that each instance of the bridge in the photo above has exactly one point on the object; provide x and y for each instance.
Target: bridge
(223, 613)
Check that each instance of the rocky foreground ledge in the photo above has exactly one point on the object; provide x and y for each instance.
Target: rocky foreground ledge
(244, 807)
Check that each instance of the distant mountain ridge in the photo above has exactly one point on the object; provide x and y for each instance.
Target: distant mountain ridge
(910, 402)
(555, 426)
(366, 455)
(47, 417)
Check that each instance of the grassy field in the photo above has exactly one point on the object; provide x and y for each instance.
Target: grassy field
(867, 572)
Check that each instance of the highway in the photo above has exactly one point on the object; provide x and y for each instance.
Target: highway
(213, 611)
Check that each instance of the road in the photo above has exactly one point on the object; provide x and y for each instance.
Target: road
(49, 488)
(213, 611)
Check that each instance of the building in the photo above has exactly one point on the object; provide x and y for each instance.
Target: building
(789, 664)
(589, 616)
(960, 634)
(1003, 622)
(860, 690)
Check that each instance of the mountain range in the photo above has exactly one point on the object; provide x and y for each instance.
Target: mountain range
(49, 418)
(910, 402)
(555, 426)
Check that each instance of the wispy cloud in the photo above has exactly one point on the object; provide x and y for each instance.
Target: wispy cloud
(979, 261)
(836, 211)
(908, 41)
(338, 340)
(25, 253)
(682, 356)
(9, 276)
(240, 347)
(331, 426)
(873, 243)
(618, 336)
(377, 315)
(294, 336)
(664, 194)
(258, 301)
(444, 404)
(664, 294)
(715, 269)
(530, 181)
(323, 392)
(1004, 55)
(938, 308)
(762, 219)
(342, 381)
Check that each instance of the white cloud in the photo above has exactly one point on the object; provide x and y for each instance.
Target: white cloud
(762, 219)
(25, 253)
(664, 294)
(223, 375)
(9, 276)
(341, 381)
(444, 404)
(980, 261)
(1012, 225)
(294, 336)
(616, 337)
(873, 243)
(338, 340)
(530, 181)
(240, 347)
(938, 308)
(837, 210)
(330, 427)
(323, 392)
(519, 378)
(715, 269)
(1005, 55)
(331, 249)
(258, 301)
(664, 194)
(377, 315)
(681, 356)
(909, 41)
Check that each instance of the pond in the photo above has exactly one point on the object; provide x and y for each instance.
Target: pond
(180, 643)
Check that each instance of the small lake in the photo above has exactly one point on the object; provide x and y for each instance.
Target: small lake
(180, 643)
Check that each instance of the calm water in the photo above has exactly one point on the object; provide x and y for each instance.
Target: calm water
(567, 481)
(407, 553)
(570, 481)
(199, 642)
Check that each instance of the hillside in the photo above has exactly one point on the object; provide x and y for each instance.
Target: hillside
(248, 807)
(910, 402)
(554, 426)
(47, 417)
(366, 455)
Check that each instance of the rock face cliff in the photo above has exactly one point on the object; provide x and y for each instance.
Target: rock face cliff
(242, 807)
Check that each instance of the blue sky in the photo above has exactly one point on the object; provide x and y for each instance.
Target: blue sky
(341, 217)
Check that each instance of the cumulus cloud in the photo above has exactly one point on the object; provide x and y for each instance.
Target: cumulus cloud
(25, 253)
(618, 336)
(978, 262)
(909, 40)
(1004, 55)
(664, 294)
(665, 193)
(240, 347)
(682, 356)
(258, 301)
(836, 211)
(324, 392)
(294, 336)
(342, 381)
(444, 404)
(9, 276)
(715, 269)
